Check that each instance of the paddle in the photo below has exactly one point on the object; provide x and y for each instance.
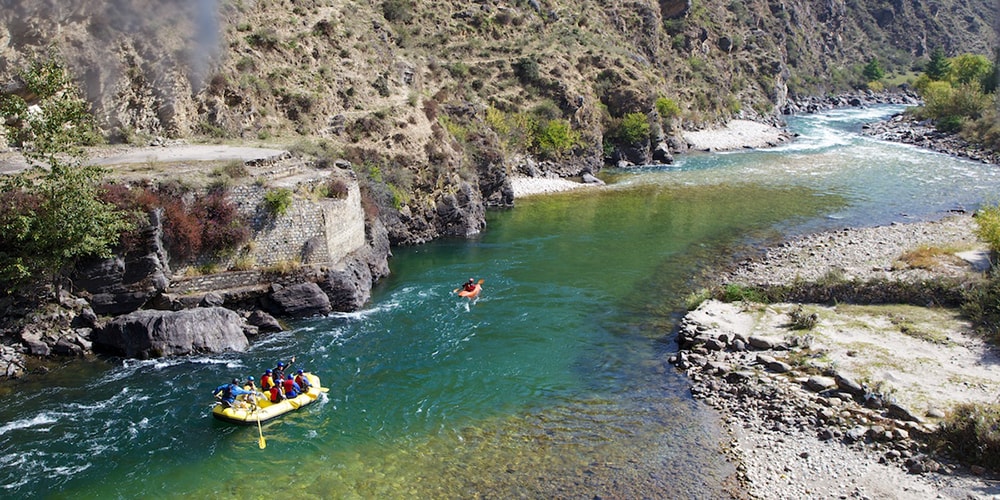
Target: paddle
(459, 288)
(261, 443)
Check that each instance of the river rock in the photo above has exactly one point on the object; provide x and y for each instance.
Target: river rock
(819, 384)
(849, 386)
(264, 322)
(298, 301)
(11, 362)
(149, 333)
(898, 412)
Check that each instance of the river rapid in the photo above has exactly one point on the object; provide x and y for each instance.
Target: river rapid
(554, 383)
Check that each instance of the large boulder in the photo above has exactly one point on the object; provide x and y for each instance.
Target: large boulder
(150, 334)
(298, 301)
(349, 285)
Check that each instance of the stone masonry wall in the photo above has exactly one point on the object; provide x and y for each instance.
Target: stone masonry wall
(310, 232)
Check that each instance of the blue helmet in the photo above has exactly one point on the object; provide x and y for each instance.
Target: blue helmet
(249, 379)
(267, 371)
(280, 364)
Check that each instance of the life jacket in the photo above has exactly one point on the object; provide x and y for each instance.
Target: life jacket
(265, 382)
(290, 388)
(275, 394)
(302, 381)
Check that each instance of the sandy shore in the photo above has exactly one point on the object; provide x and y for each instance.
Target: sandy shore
(737, 134)
(791, 440)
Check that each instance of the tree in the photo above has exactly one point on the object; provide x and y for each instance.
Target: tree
(51, 214)
(938, 67)
(969, 68)
(873, 71)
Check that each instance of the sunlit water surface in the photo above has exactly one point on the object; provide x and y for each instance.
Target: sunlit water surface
(553, 384)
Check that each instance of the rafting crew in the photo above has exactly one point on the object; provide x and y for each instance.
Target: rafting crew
(275, 386)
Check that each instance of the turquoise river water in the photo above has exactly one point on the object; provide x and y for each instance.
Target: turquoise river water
(554, 384)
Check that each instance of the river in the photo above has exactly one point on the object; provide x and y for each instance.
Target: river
(553, 384)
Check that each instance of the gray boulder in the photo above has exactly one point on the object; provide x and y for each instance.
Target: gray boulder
(298, 301)
(348, 286)
(149, 334)
(264, 322)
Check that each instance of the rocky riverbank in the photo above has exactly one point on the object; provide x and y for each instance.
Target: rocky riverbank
(908, 129)
(836, 401)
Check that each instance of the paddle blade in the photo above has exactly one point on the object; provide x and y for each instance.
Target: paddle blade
(324, 389)
(262, 443)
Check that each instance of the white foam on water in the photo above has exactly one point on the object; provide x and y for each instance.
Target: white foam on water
(27, 423)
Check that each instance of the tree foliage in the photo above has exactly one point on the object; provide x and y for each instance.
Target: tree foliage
(51, 214)
(873, 71)
(938, 67)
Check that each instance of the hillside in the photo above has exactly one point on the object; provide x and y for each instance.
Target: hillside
(435, 103)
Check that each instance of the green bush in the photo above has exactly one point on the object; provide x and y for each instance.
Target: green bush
(277, 201)
(634, 128)
(971, 434)
(988, 226)
(667, 108)
(555, 138)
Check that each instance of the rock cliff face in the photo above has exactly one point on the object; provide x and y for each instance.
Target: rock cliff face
(404, 86)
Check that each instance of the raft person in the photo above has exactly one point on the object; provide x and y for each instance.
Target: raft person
(276, 395)
(302, 380)
(469, 285)
(291, 388)
(226, 393)
(266, 380)
(279, 370)
(249, 385)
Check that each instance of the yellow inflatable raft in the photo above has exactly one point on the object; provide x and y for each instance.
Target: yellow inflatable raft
(249, 408)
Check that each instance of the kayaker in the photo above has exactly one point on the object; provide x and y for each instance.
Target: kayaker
(302, 380)
(469, 285)
(291, 388)
(226, 393)
(266, 380)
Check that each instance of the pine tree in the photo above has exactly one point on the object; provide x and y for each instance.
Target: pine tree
(938, 67)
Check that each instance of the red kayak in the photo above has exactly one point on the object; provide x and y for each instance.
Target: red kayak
(471, 293)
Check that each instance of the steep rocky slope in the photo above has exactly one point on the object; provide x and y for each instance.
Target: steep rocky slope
(401, 87)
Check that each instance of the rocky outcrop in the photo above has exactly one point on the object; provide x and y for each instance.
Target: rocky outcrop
(297, 301)
(152, 334)
(125, 283)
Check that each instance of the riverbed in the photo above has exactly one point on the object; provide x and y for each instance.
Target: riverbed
(555, 383)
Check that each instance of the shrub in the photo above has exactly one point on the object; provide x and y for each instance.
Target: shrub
(526, 70)
(799, 320)
(667, 108)
(634, 128)
(277, 201)
(337, 188)
(971, 434)
(988, 226)
(555, 138)
(398, 11)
